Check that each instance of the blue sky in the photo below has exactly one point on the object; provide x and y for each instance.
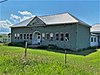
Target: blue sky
(86, 10)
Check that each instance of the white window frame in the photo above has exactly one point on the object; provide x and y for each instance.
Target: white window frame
(15, 36)
(51, 36)
(18, 36)
(43, 36)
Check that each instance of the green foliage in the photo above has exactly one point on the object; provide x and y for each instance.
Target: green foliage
(43, 62)
(19, 44)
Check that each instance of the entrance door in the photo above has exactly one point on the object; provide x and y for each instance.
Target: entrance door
(36, 38)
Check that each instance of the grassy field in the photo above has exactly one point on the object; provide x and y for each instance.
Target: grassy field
(43, 62)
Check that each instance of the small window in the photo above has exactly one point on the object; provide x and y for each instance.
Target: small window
(62, 37)
(47, 35)
(20, 36)
(30, 36)
(27, 36)
(43, 35)
(57, 36)
(66, 36)
(51, 36)
(95, 39)
(91, 39)
(15, 36)
(24, 36)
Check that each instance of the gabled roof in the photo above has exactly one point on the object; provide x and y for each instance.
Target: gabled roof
(95, 28)
(23, 23)
(64, 18)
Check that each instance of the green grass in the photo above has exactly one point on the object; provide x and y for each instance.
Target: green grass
(43, 62)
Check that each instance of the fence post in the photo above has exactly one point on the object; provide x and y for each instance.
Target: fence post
(25, 50)
(65, 56)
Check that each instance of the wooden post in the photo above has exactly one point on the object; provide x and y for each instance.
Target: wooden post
(65, 57)
(25, 50)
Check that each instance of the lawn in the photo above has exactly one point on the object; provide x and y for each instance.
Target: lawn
(44, 62)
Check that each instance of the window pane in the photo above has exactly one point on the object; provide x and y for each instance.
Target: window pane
(20, 36)
(27, 36)
(43, 35)
(91, 39)
(94, 39)
(15, 36)
(48, 36)
(24, 36)
(51, 36)
(57, 36)
(66, 36)
(62, 37)
(30, 36)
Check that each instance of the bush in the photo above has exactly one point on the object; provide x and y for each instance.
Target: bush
(19, 44)
(51, 46)
(42, 47)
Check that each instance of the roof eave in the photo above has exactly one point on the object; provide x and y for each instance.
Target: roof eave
(84, 24)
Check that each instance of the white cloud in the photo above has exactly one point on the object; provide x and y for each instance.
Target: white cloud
(4, 26)
(15, 18)
(25, 15)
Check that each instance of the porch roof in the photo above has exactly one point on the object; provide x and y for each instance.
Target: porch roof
(95, 28)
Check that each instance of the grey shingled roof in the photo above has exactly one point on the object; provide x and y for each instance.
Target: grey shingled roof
(95, 28)
(23, 23)
(63, 18)
(58, 19)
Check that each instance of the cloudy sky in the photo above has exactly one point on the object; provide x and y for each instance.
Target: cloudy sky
(16, 11)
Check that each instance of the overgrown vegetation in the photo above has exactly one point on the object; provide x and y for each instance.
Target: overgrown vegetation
(44, 62)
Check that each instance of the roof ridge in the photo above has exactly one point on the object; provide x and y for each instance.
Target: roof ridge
(53, 14)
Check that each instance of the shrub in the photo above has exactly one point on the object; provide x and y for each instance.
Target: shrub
(42, 47)
(19, 44)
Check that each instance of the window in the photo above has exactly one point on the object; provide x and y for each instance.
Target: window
(39, 35)
(20, 36)
(30, 36)
(57, 36)
(43, 35)
(15, 36)
(27, 36)
(51, 36)
(95, 39)
(66, 36)
(24, 36)
(62, 37)
(91, 39)
(47, 35)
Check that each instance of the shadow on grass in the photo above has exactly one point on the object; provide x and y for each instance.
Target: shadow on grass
(83, 52)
